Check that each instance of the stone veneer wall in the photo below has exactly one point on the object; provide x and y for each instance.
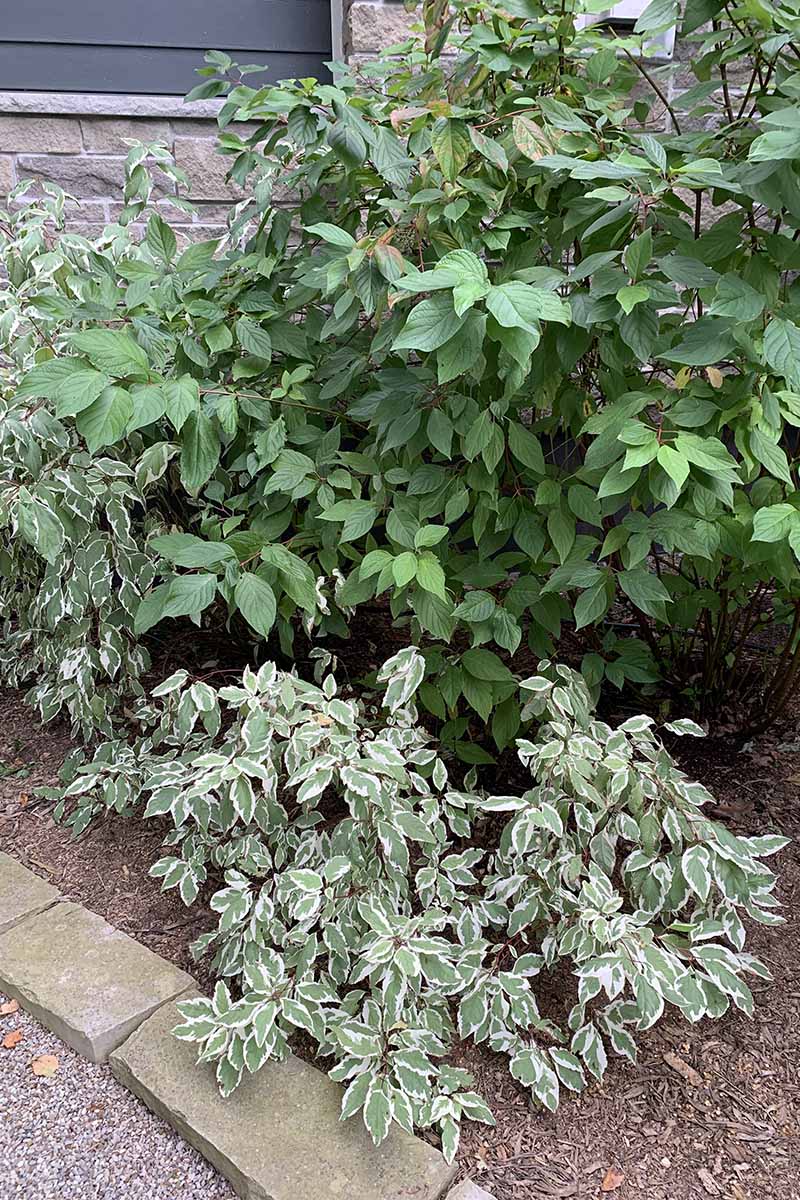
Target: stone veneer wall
(78, 142)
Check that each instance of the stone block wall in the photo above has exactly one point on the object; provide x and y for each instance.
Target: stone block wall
(372, 24)
(84, 153)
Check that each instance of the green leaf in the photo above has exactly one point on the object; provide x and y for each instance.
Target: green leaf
(770, 455)
(519, 304)
(674, 463)
(429, 535)
(78, 390)
(189, 595)
(629, 297)
(347, 144)
(254, 338)
(149, 405)
(646, 591)
(160, 239)
(705, 342)
(255, 600)
(429, 325)
(484, 664)
(186, 550)
(112, 351)
(561, 527)
(440, 431)
(658, 15)
(358, 517)
(332, 234)
(771, 524)
(526, 447)
(775, 145)
(592, 605)
(450, 142)
(302, 125)
(46, 377)
(735, 298)
(460, 353)
(106, 419)
(404, 568)
(491, 150)
(476, 606)
(200, 452)
(182, 398)
(782, 349)
(430, 575)
(637, 254)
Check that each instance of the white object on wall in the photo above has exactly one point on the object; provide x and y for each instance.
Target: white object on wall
(622, 17)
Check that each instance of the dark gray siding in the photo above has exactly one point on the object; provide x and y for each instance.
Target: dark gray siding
(155, 45)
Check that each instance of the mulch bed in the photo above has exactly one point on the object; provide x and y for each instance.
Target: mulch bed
(710, 1110)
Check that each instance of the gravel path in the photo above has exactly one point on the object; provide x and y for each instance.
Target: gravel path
(80, 1135)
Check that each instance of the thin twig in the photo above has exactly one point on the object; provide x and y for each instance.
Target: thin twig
(640, 67)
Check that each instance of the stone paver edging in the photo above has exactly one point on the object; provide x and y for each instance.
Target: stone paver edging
(22, 894)
(88, 982)
(278, 1137)
(469, 1191)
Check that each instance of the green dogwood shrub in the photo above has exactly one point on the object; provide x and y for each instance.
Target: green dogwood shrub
(472, 348)
(366, 899)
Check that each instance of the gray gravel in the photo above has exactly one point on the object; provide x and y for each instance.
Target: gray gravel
(80, 1135)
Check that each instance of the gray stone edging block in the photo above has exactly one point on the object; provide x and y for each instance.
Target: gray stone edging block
(279, 1136)
(105, 104)
(22, 893)
(467, 1190)
(86, 981)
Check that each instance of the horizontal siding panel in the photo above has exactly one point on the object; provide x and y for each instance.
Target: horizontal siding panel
(156, 46)
(168, 72)
(296, 25)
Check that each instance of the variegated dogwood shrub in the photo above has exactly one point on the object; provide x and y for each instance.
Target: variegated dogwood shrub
(74, 513)
(370, 901)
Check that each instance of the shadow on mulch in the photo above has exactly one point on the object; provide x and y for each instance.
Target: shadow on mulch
(710, 1110)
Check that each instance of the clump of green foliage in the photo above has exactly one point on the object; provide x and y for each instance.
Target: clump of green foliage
(471, 346)
(369, 902)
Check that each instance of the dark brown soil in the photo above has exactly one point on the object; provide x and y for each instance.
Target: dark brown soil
(711, 1110)
(106, 867)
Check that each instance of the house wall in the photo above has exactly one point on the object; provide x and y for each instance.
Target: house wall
(78, 141)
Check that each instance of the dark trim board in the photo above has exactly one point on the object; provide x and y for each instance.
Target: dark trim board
(24, 67)
(155, 46)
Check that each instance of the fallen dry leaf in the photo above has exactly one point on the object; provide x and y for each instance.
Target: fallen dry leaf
(12, 1039)
(10, 1006)
(611, 1180)
(708, 1181)
(683, 1068)
(45, 1065)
